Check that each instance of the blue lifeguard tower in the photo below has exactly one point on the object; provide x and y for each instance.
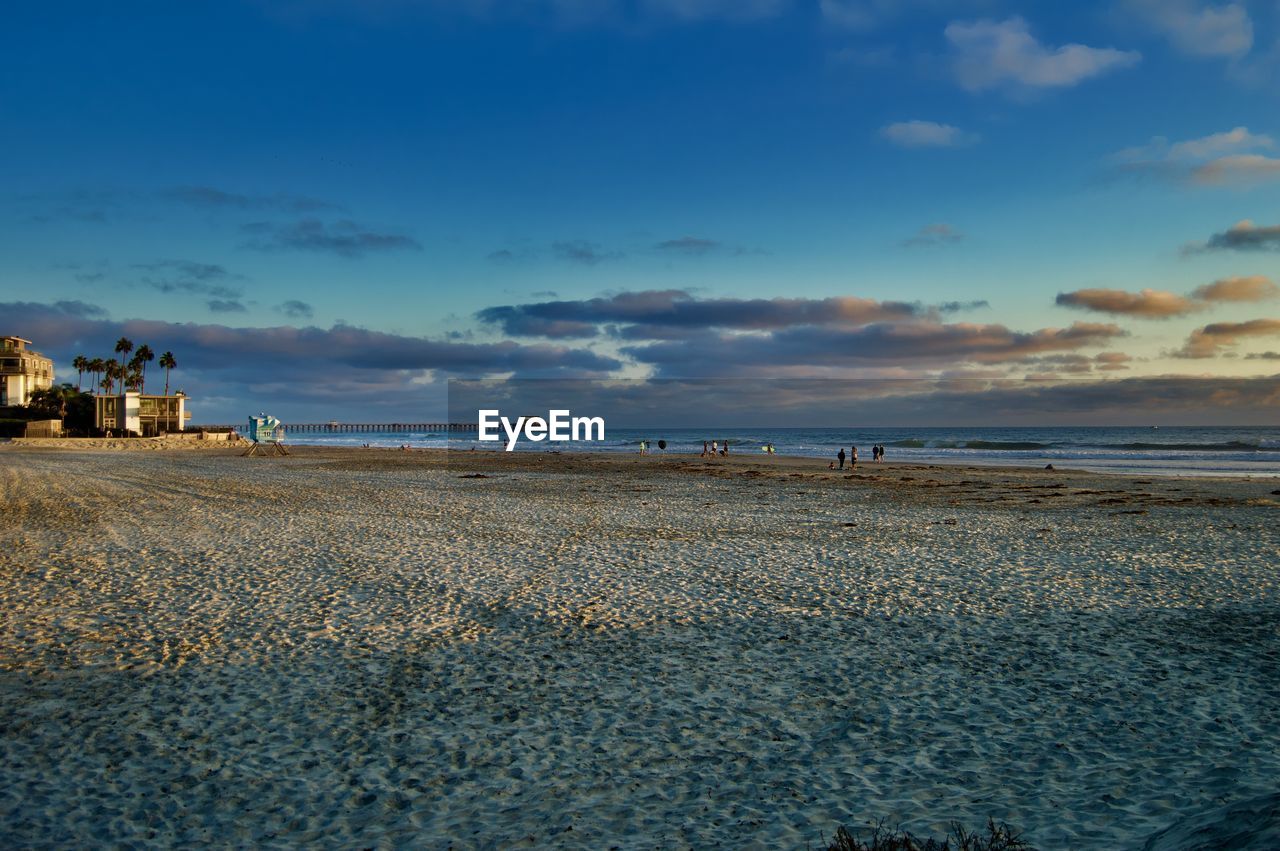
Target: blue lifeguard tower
(265, 430)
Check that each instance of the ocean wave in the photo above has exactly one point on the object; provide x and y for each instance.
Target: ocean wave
(990, 445)
(1229, 446)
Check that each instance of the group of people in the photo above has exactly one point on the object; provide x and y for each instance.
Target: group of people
(714, 448)
(877, 455)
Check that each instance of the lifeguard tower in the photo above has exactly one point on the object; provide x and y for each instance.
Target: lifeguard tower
(265, 430)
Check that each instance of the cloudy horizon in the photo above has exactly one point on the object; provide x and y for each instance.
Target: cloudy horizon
(360, 206)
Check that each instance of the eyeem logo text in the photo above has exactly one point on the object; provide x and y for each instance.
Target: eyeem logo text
(559, 425)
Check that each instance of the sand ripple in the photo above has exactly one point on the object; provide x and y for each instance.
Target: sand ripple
(566, 659)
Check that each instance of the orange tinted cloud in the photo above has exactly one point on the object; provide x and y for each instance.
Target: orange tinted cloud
(1244, 288)
(1210, 340)
(1147, 304)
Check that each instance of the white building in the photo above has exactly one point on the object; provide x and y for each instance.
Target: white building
(137, 413)
(22, 372)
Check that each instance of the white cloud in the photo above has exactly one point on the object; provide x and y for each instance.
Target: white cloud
(1238, 140)
(1237, 170)
(1230, 158)
(1197, 28)
(1234, 141)
(990, 54)
(926, 134)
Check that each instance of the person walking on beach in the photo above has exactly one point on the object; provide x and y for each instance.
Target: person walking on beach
(840, 457)
(853, 457)
(704, 449)
(643, 447)
(725, 451)
(715, 447)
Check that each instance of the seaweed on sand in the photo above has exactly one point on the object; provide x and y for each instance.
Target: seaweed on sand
(998, 837)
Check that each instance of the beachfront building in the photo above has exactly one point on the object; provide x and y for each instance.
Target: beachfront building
(139, 413)
(22, 371)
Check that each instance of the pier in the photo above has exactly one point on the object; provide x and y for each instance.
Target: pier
(341, 428)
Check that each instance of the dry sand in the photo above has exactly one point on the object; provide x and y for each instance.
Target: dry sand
(377, 648)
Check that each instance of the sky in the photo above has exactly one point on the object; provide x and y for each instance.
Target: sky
(329, 209)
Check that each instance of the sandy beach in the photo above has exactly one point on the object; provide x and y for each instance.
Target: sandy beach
(479, 650)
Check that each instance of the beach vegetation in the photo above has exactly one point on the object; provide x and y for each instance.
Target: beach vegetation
(106, 374)
(133, 375)
(997, 837)
(167, 363)
(62, 402)
(81, 364)
(142, 357)
(112, 371)
(123, 347)
(95, 368)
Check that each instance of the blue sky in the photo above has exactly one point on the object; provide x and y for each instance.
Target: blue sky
(328, 208)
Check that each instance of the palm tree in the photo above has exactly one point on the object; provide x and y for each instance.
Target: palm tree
(132, 377)
(105, 384)
(123, 346)
(53, 400)
(81, 363)
(143, 356)
(167, 363)
(113, 370)
(96, 367)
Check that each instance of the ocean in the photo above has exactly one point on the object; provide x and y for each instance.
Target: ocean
(1180, 450)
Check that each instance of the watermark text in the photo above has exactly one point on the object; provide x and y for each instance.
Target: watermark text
(559, 425)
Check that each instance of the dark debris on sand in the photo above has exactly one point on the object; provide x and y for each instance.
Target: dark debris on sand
(998, 837)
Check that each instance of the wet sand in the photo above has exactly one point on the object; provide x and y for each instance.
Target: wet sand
(350, 647)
